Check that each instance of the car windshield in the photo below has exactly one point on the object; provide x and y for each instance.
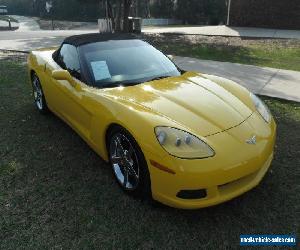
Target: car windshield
(124, 62)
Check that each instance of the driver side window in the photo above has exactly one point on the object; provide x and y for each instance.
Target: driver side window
(68, 60)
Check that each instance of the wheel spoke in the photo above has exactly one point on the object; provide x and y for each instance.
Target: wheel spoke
(124, 161)
(37, 93)
(125, 177)
(116, 160)
(40, 100)
(130, 151)
(131, 170)
(36, 85)
(120, 145)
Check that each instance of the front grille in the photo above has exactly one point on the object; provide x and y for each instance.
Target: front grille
(229, 186)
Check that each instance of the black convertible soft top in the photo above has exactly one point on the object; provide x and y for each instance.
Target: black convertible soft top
(79, 40)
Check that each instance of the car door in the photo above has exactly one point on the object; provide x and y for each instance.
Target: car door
(71, 103)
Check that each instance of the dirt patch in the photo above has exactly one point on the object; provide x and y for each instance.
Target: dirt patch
(274, 53)
(13, 56)
(222, 41)
(7, 28)
(65, 25)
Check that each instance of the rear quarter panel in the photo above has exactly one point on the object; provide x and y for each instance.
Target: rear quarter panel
(37, 61)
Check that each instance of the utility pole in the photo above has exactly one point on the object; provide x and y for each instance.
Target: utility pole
(228, 13)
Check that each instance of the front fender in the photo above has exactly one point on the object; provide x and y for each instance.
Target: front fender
(137, 120)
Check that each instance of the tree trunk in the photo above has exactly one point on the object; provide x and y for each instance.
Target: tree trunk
(126, 12)
(119, 17)
(111, 15)
(137, 7)
(148, 8)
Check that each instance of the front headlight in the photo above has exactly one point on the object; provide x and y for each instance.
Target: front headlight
(261, 108)
(182, 144)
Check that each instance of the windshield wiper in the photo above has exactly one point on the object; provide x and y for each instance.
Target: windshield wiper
(118, 84)
(126, 84)
(158, 78)
(111, 85)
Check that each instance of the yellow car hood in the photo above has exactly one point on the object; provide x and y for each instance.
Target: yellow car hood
(191, 100)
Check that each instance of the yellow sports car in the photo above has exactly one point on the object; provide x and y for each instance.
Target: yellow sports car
(186, 139)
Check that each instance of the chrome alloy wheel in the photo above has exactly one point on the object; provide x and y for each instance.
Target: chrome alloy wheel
(37, 93)
(124, 161)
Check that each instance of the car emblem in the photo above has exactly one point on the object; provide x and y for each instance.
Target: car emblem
(252, 140)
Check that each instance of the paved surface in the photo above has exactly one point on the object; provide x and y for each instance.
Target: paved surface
(279, 83)
(222, 30)
(30, 40)
(26, 23)
(284, 84)
(29, 36)
(5, 26)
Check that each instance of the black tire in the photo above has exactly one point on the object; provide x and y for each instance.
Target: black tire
(38, 94)
(142, 190)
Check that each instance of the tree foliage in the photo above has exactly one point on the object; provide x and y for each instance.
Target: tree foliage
(190, 11)
(163, 9)
(201, 11)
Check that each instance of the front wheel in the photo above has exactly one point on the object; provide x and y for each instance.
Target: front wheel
(128, 163)
(38, 95)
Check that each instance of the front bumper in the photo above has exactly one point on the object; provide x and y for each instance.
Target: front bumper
(236, 168)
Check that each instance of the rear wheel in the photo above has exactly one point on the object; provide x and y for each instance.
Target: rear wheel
(38, 94)
(128, 163)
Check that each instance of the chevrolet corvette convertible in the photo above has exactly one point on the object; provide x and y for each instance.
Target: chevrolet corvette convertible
(185, 139)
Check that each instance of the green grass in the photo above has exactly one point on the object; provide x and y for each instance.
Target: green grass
(5, 18)
(55, 192)
(260, 55)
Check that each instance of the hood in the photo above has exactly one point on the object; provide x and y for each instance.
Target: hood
(190, 100)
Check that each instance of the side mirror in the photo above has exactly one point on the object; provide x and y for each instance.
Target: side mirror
(63, 75)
